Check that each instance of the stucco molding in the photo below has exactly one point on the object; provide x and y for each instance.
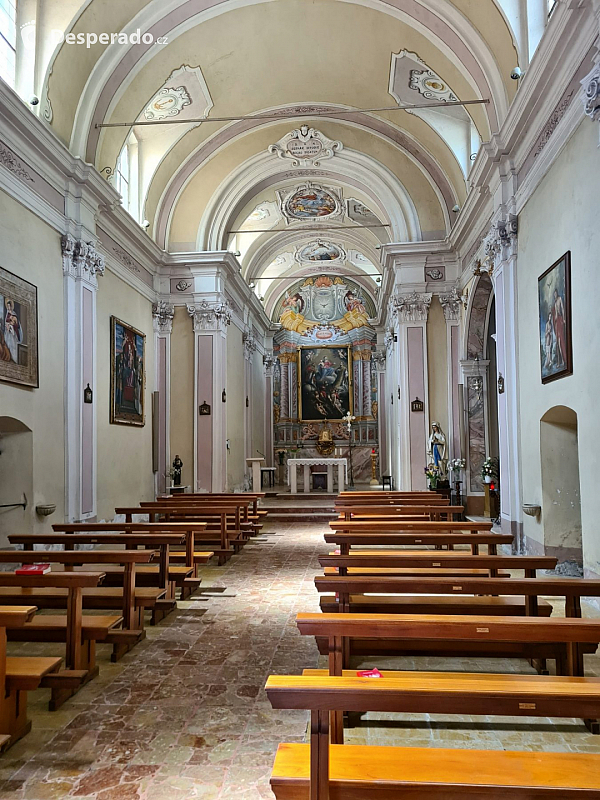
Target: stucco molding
(591, 92)
(305, 147)
(250, 344)
(379, 359)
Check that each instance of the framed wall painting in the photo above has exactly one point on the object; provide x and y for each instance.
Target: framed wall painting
(127, 380)
(324, 383)
(18, 330)
(554, 297)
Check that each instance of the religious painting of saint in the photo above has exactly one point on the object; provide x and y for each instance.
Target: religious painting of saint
(309, 203)
(18, 330)
(127, 382)
(324, 377)
(554, 295)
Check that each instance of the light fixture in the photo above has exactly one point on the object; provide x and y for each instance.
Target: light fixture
(145, 224)
(88, 395)
(224, 396)
(455, 208)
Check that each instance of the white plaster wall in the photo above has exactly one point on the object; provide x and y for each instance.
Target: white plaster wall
(31, 249)
(124, 452)
(563, 215)
(437, 364)
(236, 408)
(258, 406)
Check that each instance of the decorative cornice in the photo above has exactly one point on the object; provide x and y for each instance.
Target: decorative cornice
(412, 307)
(379, 358)
(451, 304)
(12, 164)
(210, 316)
(81, 260)
(163, 314)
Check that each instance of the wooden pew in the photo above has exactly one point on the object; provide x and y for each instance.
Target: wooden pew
(249, 504)
(78, 632)
(419, 595)
(398, 563)
(319, 771)
(133, 606)
(12, 725)
(381, 513)
(254, 497)
(558, 638)
(438, 540)
(225, 540)
(186, 529)
(401, 526)
(122, 638)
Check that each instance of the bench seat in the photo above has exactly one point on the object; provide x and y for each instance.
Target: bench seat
(423, 572)
(53, 628)
(25, 674)
(434, 604)
(360, 772)
(102, 597)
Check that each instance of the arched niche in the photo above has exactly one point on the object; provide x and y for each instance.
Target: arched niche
(16, 478)
(561, 499)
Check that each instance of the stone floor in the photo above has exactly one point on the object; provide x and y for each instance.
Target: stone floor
(184, 715)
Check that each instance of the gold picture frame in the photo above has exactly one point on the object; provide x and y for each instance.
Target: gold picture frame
(127, 374)
(325, 385)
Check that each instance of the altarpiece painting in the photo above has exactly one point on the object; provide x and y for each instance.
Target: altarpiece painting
(325, 383)
(554, 294)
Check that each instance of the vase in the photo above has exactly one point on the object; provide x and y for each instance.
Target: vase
(487, 479)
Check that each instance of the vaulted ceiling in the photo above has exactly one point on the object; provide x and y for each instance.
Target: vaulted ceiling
(393, 175)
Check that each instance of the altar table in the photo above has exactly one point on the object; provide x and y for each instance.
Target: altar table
(307, 463)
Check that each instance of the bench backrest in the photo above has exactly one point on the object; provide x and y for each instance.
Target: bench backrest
(358, 526)
(437, 559)
(378, 539)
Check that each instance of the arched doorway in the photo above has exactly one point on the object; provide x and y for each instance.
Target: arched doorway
(16, 478)
(561, 499)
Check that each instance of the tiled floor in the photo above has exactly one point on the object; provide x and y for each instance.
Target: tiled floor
(184, 716)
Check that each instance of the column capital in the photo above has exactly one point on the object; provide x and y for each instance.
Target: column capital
(269, 360)
(162, 315)
(451, 304)
(210, 316)
(81, 260)
(413, 307)
(591, 92)
(379, 358)
(498, 245)
(250, 345)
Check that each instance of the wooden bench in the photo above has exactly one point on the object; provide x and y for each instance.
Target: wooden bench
(381, 513)
(398, 563)
(420, 526)
(123, 639)
(321, 771)
(437, 540)
(454, 636)
(79, 633)
(12, 725)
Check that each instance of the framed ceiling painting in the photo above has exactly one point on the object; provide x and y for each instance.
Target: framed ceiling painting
(324, 383)
(127, 380)
(554, 297)
(18, 330)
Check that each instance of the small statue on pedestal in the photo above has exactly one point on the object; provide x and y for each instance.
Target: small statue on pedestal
(436, 450)
(177, 467)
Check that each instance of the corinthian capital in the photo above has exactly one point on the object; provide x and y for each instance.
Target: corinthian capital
(451, 304)
(81, 259)
(210, 316)
(412, 307)
(379, 358)
(162, 314)
(249, 344)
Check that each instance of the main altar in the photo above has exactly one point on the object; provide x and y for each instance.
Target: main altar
(307, 463)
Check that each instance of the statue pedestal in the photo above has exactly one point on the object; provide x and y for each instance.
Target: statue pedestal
(255, 463)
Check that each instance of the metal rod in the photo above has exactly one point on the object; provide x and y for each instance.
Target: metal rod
(258, 117)
(13, 505)
(314, 230)
(334, 274)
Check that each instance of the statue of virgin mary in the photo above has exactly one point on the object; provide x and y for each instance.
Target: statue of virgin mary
(436, 450)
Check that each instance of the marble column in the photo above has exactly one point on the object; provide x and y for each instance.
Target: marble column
(411, 312)
(82, 265)
(210, 319)
(475, 380)
(162, 314)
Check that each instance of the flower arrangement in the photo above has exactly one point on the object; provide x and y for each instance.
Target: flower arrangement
(456, 464)
(490, 469)
(433, 474)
